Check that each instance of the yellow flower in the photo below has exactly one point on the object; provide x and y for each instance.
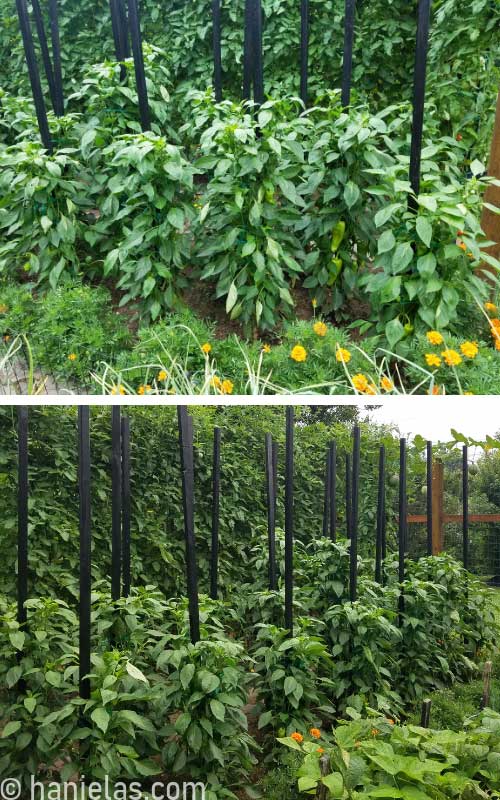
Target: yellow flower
(463, 246)
(266, 348)
(227, 387)
(495, 323)
(118, 390)
(490, 307)
(360, 382)
(298, 353)
(216, 382)
(435, 390)
(343, 356)
(452, 358)
(206, 348)
(72, 357)
(122, 390)
(297, 737)
(497, 343)
(469, 349)
(141, 390)
(371, 389)
(6, 338)
(320, 329)
(314, 302)
(162, 375)
(432, 360)
(468, 393)
(386, 384)
(434, 337)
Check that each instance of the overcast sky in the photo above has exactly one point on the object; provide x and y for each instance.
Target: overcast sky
(433, 417)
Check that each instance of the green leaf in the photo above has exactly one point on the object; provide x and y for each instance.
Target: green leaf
(424, 230)
(176, 218)
(351, 194)
(186, 675)
(182, 723)
(10, 729)
(30, 704)
(386, 242)
(53, 678)
(291, 743)
(426, 265)
(17, 640)
(394, 330)
(46, 223)
(265, 719)
(101, 718)
(136, 673)
(290, 685)
(232, 297)
(334, 783)
(218, 710)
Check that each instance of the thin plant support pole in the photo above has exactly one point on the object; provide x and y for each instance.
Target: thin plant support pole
(348, 495)
(217, 32)
(465, 504)
(116, 504)
(124, 30)
(380, 514)
(44, 49)
(140, 75)
(425, 713)
(403, 521)
(248, 51)
(429, 498)
(271, 511)
(85, 547)
(187, 467)
(258, 64)
(304, 51)
(22, 514)
(214, 565)
(126, 578)
(333, 491)
(56, 58)
(115, 25)
(326, 501)
(350, 14)
(289, 521)
(353, 550)
(422, 46)
(275, 476)
(34, 74)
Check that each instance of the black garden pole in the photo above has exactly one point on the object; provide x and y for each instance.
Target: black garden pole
(116, 504)
(217, 50)
(353, 550)
(187, 467)
(248, 51)
(44, 50)
(289, 521)
(271, 511)
(275, 476)
(258, 65)
(422, 46)
(348, 495)
(380, 515)
(34, 74)
(403, 522)
(22, 514)
(140, 76)
(126, 578)
(56, 59)
(429, 497)
(85, 548)
(425, 713)
(214, 567)
(350, 13)
(333, 491)
(465, 504)
(123, 29)
(116, 28)
(304, 50)
(326, 500)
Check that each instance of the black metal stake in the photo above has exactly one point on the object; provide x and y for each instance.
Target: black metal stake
(123, 30)
(248, 52)
(85, 548)
(333, 491)
(350, 13)
(258, 64)
(44, 49)
(304, 50)
(22, 514)
(348, 495)
(403, 521)
(275, 476)
(271, 511)
(289, 522)
(422, 46)
(116, 504)
(56, 58)
(34, 74)
(429, 498)
(187, 467)
(214, 568)
(217, 50)
(140, 75)
(380, 515)
(465, 504)
(327, 499)
(115, 25)
(353, 550)
(126, 506)
(425, 714)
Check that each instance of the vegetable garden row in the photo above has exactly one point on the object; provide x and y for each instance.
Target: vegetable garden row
(116, 676)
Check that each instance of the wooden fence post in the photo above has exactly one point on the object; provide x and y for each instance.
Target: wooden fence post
(437, 508)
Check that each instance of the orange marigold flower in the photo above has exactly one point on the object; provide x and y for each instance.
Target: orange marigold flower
(371, 389)
(495, 323)
(6, 338)
(162, 375)
(298, 353)
(315, 732)
(390, 721)
(227, 387)
(490, 307)
(141, 390)
(206, 348)
(297, 737)
(463, 246)
(432, 360)
(320, 328)
(320, 750)
(497, 343)
(375, 732)
(452, 358)
(386, 384)
(436, 390)
(343, 355)
(216, 382)
(360, 382)
(469, 349)
(459, 137)
(434, 337)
